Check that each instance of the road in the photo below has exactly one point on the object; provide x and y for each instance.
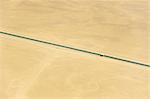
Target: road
(32, 70)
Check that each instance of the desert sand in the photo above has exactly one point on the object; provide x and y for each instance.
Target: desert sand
(32, 70)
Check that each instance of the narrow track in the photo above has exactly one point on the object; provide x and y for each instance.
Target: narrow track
(76, 49)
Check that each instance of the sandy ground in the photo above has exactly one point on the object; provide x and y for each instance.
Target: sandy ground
(31, 70)
(116, 27)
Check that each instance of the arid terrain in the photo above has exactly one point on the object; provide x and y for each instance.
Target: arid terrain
(32, 70)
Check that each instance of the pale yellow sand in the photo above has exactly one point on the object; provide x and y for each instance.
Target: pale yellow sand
(33, 71)
(115, 27)
(30, 70)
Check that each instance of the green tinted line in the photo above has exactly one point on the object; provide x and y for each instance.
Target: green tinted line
(125, 60)
(51, 43)
(76, 49)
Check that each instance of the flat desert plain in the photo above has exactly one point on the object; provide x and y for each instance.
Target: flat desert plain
(32, 70)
